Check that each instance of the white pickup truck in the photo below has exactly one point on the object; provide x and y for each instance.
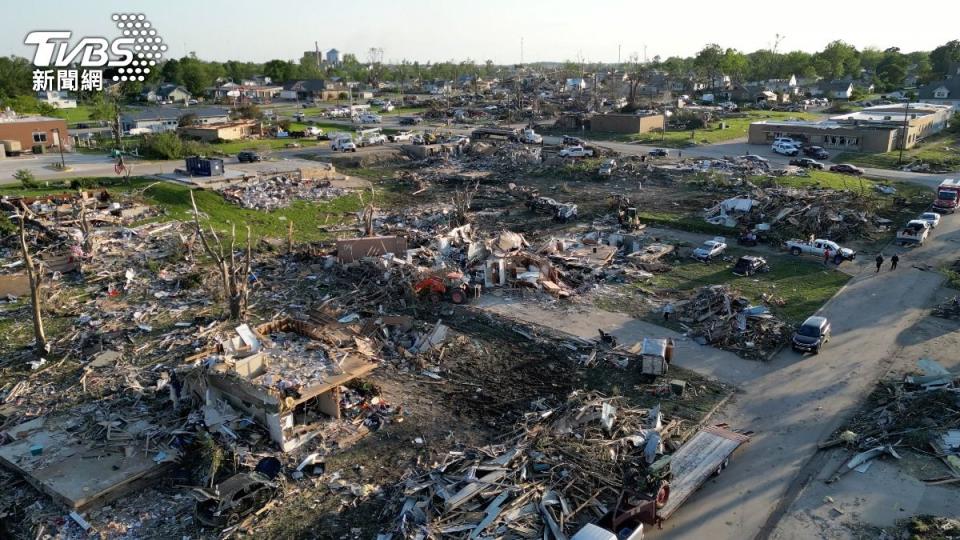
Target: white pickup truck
(401, 136)
(914, 233)
(818, 247)
(576, 151)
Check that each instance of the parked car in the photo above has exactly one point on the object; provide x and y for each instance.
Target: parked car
(932, 218)
(607, 167)
(846, 168)
(786, 140)
(249, 157)
(816, 152)
(786, 149)
(749, 265)
(710, 249)
(659, 152)
(238, 496)
(807, 163)
(811, 335)
(576, 151)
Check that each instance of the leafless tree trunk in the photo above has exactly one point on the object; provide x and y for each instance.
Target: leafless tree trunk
(233, 273)
(35, 273)
(462, 199)
(89, 244)
(366, 217)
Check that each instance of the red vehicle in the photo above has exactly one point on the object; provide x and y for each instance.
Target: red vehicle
(948, 196)
(454, 287)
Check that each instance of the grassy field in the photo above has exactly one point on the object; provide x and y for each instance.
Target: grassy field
(805, 285)
(823, 179)
(307, 217)
(80, 114)
(941, 151)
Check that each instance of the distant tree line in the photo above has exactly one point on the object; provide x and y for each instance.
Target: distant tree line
(888, 69)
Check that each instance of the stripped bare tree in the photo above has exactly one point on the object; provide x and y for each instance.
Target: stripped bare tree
(233, 273)
(462, 199)
(366, 215)
(35, 274)
(88, 243)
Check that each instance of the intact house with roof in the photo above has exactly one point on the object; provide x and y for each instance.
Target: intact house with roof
(313, 90)
(832, 89)
(166, 93)
(160, 119)
(945, 91)
(57, 100)
(874, 129)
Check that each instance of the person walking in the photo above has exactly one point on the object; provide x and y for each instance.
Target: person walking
(893, 261)
(879, 261)
(826, 257)
(667, 310)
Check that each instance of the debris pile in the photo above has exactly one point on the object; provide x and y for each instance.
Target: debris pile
(799, 213)
(918, 412)
(719, 317)
(949, 309)
(568, 465)
(279, 192)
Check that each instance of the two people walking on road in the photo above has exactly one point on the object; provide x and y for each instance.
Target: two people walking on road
(893, 261)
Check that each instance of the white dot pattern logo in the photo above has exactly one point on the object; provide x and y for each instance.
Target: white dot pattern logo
(137, 26)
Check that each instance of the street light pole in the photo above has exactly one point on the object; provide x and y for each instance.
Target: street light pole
(903, 135)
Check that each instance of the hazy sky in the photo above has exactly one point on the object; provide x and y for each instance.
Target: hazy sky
(259, 30)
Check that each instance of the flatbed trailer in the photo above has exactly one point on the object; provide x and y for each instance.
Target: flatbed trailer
(704, 455)
(671, 480)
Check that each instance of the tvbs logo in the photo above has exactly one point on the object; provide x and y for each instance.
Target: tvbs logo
(139, 46)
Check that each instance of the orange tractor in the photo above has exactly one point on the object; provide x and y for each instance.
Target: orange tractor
(453, 287)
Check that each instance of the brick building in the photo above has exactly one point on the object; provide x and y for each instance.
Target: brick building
(34, 130)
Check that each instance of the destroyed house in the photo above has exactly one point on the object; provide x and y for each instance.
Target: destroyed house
(285, 374)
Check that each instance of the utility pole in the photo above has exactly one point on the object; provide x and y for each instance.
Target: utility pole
(521, 50)
(619, 46)
(903, 132)
(63, 163)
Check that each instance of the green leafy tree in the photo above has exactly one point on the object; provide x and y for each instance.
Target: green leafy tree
(892, 70)
(15, 76)
(943, 57)
(709, 64)
(836, 60)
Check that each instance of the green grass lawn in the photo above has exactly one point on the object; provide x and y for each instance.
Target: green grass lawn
(941, 151)
(821, 179)
(307, 217)
(80, 114)
(804, 284)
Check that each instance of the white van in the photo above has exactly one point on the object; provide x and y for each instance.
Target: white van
(343, 144)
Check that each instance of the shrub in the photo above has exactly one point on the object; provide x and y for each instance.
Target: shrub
(26, 178)
(168, 145)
